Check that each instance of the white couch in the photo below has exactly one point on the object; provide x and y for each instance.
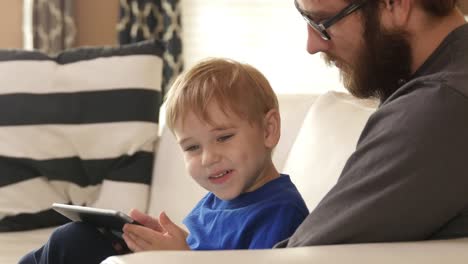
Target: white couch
(319, 132)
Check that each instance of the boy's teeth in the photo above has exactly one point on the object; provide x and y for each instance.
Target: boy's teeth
(221, 174)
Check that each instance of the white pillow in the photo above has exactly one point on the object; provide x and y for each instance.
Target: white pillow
(327, 138)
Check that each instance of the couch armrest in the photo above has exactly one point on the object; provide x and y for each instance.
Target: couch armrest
(427, 252)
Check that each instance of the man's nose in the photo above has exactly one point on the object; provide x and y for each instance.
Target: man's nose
(210, 156)
(315, 43)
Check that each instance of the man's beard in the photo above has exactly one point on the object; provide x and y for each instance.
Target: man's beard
(384, 59)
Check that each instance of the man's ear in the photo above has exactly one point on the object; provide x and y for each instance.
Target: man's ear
(272, 128)
(396, 13)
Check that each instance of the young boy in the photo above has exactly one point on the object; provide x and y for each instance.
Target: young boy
(226, 120)
(225, 117)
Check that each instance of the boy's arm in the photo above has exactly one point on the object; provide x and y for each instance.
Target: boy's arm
(168, 236)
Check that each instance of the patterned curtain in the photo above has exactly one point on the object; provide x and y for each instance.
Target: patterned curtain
(154, 19)
(52, 27)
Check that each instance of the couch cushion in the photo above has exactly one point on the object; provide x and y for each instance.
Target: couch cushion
(326, 139)
(76, 128)
(293, 109)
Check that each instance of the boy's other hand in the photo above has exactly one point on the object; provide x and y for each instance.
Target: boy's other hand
(146, 220)
(141, 238)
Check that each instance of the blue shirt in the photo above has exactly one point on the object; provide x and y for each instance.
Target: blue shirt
(253, 220)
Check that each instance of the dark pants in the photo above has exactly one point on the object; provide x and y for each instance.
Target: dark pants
(73, 243)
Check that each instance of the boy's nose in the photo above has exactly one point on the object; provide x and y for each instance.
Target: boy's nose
(315, 43)
(209, 157)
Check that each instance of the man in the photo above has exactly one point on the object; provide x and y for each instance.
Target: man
(408, 178)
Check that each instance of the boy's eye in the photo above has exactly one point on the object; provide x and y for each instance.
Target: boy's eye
(191, 148)
(225, 137)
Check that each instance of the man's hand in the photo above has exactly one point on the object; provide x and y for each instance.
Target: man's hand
(154, 235)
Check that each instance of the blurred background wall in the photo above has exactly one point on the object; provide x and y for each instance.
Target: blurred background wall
(10, 23)
(270, 35)
(95, 21)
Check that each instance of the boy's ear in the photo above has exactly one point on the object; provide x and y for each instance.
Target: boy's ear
(272, 128)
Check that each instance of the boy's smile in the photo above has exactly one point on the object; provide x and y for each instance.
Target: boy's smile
(226, 155)
(220, 178)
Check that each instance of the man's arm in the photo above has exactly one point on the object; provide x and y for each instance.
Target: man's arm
(406, 180)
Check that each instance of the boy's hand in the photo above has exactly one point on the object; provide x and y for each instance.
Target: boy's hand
(142, 238)
(146, 220)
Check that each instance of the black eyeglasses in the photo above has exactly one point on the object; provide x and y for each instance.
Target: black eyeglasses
(322, 26)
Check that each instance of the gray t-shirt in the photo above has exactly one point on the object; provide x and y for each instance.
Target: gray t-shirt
(408, 178)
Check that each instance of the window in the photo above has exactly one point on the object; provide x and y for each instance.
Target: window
(269, 35)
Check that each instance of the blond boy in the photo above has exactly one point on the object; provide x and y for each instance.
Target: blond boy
(225, 117)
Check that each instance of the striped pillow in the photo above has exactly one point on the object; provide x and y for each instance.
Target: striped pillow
(77, 128)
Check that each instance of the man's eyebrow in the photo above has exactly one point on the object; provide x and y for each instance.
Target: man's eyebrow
(314, 15)
(318, 16)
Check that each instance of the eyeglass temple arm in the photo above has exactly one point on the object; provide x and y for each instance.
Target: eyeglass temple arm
(350, 9)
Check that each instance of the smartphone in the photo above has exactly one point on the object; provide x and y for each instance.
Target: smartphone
(101, 218)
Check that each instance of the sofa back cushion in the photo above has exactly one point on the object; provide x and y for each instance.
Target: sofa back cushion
(327, 138)
(77, 128)
(175, 192)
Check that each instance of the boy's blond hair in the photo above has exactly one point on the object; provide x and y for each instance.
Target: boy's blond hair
(236, 87)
